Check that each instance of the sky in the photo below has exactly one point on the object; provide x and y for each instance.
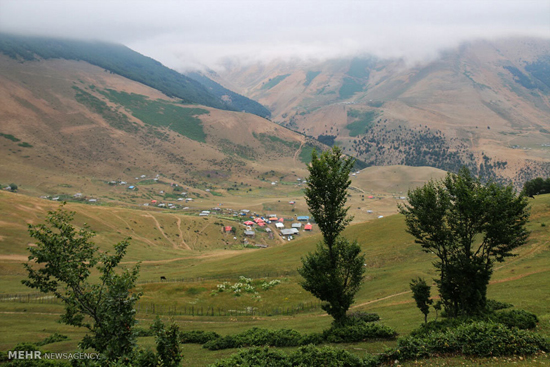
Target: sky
(196, 34)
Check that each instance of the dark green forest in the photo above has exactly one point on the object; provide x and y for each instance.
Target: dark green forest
(236, 101)
(121, 60)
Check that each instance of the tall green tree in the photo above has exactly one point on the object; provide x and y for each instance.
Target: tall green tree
(469, 226)
(61, 264)
(334, 272)
(421, 295)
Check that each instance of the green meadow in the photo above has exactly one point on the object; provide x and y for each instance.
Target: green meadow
(393, 259)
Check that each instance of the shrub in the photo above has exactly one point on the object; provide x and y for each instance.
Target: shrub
(493, 305)
(145, 358)
(482, 339)
(198, 337)
(225, 342)
(260, 357)
(324, 356)
(308, 356)
(516, 318)
(358, 332)
(257, 337)
(54, 338)
(361, 316)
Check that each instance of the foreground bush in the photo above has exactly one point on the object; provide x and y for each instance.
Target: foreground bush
(358, 332)
(198, 337)
(257, 337)
(517, 318)
(481, 339)
(361, 316)
(512, 319)
(308, 356)
(493, 305)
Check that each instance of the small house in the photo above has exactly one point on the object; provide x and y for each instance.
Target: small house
(303, 218)
(279, 225)
(249, 233)
(308, 227)
(228, 229)
(297, 225)
(289, 232)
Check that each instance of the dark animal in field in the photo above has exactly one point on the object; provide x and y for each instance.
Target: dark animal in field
(162, 278)
(531, 196)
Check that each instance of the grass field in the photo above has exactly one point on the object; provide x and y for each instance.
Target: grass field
(392, 260)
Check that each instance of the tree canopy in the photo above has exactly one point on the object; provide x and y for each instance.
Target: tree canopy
(334, 272)
(469, 226)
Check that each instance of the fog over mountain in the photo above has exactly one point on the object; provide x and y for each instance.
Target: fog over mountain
(189, 34)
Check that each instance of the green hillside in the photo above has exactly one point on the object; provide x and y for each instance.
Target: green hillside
(393, 259)
(121, 60)
(234, 100)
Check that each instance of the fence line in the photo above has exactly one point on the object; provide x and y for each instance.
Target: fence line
(177, 310)
(192, 310)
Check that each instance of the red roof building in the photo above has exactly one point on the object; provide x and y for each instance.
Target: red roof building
(308, 227)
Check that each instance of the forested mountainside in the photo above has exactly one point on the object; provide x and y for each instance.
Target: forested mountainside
(123, 61)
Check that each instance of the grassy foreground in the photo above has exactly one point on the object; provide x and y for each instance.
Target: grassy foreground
(392, 260)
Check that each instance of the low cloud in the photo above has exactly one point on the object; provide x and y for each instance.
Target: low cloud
(186, 34)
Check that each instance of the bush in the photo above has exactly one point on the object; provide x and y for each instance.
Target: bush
(308, 356)
(225, 342)
(493, 305)
(482, 339)
(358, 332)
(54, 338)
(324, 356)
(257, 337)
(516, 318)
(145, 358)
(258, 357)
(198, 337)
(361, 316)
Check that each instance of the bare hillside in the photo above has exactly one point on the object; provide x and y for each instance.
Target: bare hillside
(484, 105)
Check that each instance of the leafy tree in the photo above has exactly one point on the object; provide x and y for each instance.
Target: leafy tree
(13, 187)
(334, 272)
(168, 345)
(421, 294)
(468, 226)
(66, 257)
(536, 186)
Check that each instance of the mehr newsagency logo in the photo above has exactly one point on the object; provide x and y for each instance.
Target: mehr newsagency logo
(35, 354)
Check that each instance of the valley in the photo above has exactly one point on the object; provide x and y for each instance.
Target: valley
(183, 171)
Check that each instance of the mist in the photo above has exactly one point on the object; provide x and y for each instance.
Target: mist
(200, 34)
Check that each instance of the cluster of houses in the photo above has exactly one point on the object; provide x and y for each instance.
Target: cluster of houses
(279, 224)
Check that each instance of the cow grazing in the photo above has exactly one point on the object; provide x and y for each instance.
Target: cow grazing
(162, 278)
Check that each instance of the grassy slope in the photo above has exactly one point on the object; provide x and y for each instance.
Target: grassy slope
(87, 126)
(392, 258)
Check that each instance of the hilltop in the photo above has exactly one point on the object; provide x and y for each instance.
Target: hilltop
(484, 104)
(121, 60)
(71, 127)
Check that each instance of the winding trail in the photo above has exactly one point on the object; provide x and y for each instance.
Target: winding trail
(160, 229)
(135, 235)
(178, 223)
(298, 151)
(380, 299)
